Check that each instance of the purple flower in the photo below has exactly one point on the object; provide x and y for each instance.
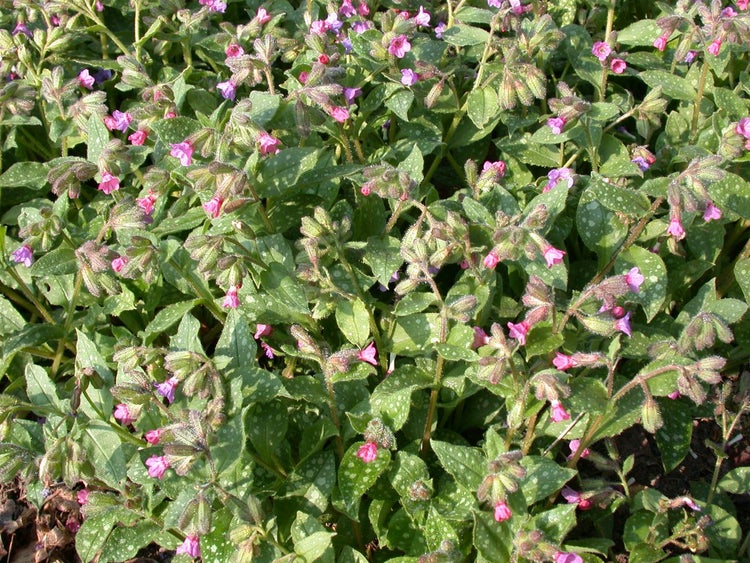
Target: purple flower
(557, 175)
(556, 124)
(350, 94)
(166, 389)
(183, 152)
(601, 50)
(369, 354)
(153, 436)
(23, 255)
(495, 3)
(228, 89)
(399, 46)
(422, 18)
(690, 57)
(361, 27)
(368, 452)
(347, 9)
(623, 324)
(711, 212)
(634, 279)
(502, 511)
(439, 29)
(157, 466)
(191, 546)
(743, 127)
(408, 77)
(85, 79)
(119, 121)
(82, 497)
(480, 337)
(661, 42)
(21, 28)
(566, 557)
(138, 138)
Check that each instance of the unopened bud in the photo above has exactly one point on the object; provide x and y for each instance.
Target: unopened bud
(651, 416)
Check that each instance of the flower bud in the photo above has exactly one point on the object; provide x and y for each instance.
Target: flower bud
(651, 416)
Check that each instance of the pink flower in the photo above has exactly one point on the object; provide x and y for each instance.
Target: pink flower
(369, 354)
(147, 203)
(661, 42)
(228, 89)
(123, 415)
(556, 124)
(267, 350)
(262, 16)
(367, 452)
(674, 395)
(138, 138)
(119, 121)
(119, 263)
(557, 411)
(601, 50)
(574, 446)
(519, 331)
(553, 255)
(363, 9)
(231, 301)
(23, 255)
(233, 50)
(167, 388)
(495, 169)
(563, 362)
(634, 279)
(213, 206)
(99, 6)
(491, 260)
(262, 330)
(85, 79)
(339, 113)
(169, 115)
(408, 77)
(347, 9)
(183, 152)
(480, 337)
(399, 46)
(566, 557)
(422, 18)
(82, 497)
(324, 59)
(365, 190)
(617, 66)
(109, 183)
(557, 175)
(502, 511)
(268, 144)
(153, 436)
(743, 4)
(711, 212)
(728, 12)
(690, 503)
(574, 497)
(623, 324)
(214, 5)
(675, 228)
(157, 466)
(715, 47)
(743, 126)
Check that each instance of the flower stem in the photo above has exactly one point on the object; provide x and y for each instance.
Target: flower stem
(698, 99)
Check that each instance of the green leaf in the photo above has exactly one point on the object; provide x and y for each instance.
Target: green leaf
(621, 200)
(312, 541)
(266, 425)
(98, 137)
(105, 451)
(187, 335)
(493, 540)
(353, 320)
(673, 439)
(732, 193)
(469, 14)
(645, 529)
(413, 164)
(414, 333)
(315, 479)
(468, 466)
(642, 33)
(736, 481)
(673, 86)
(615, 160)
(166, 319)
(454, 353)
(399, 103)
(236, 345)
(437, 529)
(653, 291)
(125, 541)
(730, 103)
(724, 534)
(557, 522)
(465, 35)
(482, 106)
(598, 227)
(406, 470)
(95, 530)
(543, 477)
(174, 130)
(264, 106)
(31, 175)
(355, 476)
(224, 450)
(416, 302)
(40, 388)
(278, 174)
(10, 319)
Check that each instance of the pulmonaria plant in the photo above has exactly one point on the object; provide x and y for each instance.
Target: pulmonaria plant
(364, 281)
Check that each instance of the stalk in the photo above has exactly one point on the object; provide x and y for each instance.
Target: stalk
(698, 99)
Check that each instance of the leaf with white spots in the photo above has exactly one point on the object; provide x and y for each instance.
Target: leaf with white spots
(557, 522)
(355, 476)
(312, 541)
(653, 292)
(673, 438)
(454, 501)
(732, 193)
(353, 320)
(314, 479)
(403, 534)
(236, 347)
(383, 255)
(736, 481)
(187, 335)
(406, 471)
(400, 102)
(413, 334)
(125, 541)
(598, 227)
(393, 408)
(492, 539)
(543, 477)
(467, 465)
(215, 545)
(266, 426)
(437, 529)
